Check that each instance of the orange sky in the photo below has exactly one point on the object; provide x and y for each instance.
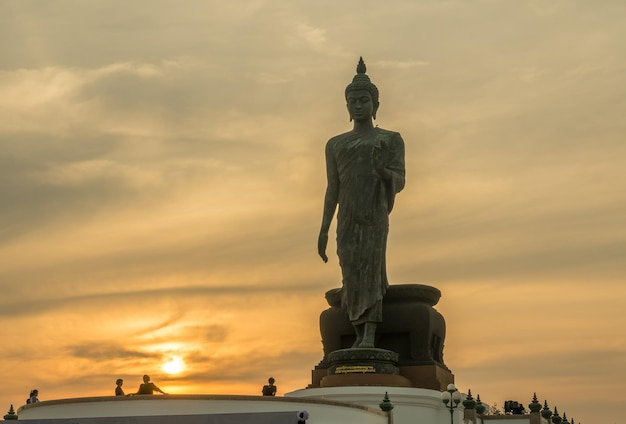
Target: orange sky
(162, 178)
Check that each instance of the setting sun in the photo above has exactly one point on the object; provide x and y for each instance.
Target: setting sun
(174, 366)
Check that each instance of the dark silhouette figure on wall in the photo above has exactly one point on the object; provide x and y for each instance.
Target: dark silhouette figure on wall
(118, 387)
(32, 398)
(148, 387)
(269, 389)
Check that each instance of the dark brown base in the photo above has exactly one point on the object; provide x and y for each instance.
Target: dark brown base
(433, 377)
(340, 380)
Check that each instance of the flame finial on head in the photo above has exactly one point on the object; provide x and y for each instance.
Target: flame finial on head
(360, 67)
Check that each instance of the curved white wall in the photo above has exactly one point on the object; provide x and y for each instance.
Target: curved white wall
(411, 405)
(320, 411)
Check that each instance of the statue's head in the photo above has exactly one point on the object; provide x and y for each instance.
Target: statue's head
(361, 82)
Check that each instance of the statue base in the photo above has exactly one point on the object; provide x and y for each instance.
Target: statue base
(363, 367)
(430, 376)
(411, 327)
(378, 367)
(363, 360)
(343, 380)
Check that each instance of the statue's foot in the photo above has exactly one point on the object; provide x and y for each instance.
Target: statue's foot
(358, 329)
(369, 334)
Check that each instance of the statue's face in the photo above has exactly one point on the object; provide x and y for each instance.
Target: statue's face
(360, 105)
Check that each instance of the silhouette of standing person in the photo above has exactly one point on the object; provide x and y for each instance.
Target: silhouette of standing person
(148, 387)
(269, 389)
(118, 388)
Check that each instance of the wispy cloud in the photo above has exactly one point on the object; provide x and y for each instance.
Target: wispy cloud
(162, 176)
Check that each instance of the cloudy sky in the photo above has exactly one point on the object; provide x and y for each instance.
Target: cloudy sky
(162, 177)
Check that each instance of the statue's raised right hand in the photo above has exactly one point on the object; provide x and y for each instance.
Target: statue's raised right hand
(322, 242)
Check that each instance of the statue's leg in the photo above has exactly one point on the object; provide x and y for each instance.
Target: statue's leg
(369, 332)
(359, 329)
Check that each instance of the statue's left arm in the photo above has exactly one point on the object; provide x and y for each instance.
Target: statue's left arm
(393, 172)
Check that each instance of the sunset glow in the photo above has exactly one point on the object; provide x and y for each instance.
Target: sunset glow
(175, 365)
(162, 175)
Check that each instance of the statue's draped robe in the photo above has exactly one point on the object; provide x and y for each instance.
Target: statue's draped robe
(365, 201)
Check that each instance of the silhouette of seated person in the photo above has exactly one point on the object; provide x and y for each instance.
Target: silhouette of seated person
(118, 388)
(269, 389)
(33, 396)
(148, 387)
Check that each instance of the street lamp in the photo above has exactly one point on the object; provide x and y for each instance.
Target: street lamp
(451, 398)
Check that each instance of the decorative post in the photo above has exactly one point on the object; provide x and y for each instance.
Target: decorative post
(451, 398)
(469, 413)
(11, 415)
(556, 419)
(545, 412)
(535, 407)
(480, 407)
(387, 407)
